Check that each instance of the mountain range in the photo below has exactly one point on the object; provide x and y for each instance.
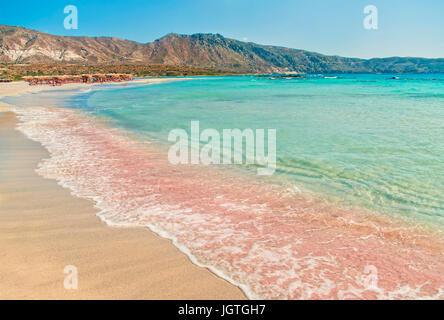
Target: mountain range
(20, 45)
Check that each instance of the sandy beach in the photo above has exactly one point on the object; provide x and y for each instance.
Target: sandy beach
(265, 235)
(21, 87)
(43, 229)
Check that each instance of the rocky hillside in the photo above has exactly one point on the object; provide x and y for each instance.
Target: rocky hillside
(21, 45)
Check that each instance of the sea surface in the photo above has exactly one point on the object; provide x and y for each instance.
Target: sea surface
(355, 209)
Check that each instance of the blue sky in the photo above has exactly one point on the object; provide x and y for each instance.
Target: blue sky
(405, 27)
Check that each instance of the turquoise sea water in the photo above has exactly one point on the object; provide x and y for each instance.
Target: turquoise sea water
(363, 141)
(368, 141)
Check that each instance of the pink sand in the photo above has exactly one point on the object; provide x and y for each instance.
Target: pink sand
(272, 242)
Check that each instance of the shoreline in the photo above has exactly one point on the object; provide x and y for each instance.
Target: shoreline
(53, 229)
(22, 87)
(240, 229)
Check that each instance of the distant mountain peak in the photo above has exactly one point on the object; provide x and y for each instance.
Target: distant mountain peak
(173, 35)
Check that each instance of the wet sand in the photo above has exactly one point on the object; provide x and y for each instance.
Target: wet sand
(43, 229)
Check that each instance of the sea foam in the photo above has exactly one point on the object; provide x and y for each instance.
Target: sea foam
(272, 242)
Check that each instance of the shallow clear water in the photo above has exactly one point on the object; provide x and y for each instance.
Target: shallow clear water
(361, 141)
(365, 140)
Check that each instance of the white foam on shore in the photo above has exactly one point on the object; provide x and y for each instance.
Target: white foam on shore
(29, 129)
(268, 253)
